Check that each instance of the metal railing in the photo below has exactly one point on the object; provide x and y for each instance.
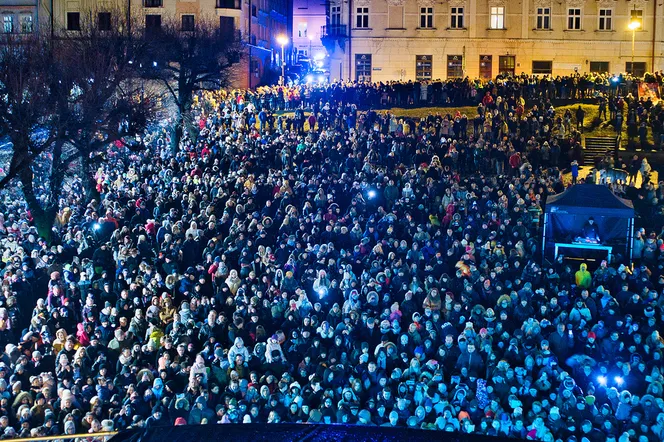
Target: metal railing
(229, 4)
(333, 31)
(66, 437)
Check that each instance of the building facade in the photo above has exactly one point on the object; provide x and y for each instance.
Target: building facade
(255, 22)
(383, 40)
(308, 19)
(19, 16)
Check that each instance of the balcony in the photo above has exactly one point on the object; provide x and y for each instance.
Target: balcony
(334, 31)
(229, 4)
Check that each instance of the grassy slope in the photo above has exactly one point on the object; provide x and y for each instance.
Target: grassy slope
(603, 130)
(592, 111)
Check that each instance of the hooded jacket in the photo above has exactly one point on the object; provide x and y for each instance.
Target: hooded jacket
(238, 348)
(583, 277)
(200, 411)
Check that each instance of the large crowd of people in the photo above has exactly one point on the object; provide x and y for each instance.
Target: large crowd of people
(333, 266)
(454, 92)
(615, 96)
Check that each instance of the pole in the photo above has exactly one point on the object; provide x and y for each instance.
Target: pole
(283, 67)
(250, 42)
(129, 19)
(546, 219)
(654, 36)
(52, 18)
(350, 41)
(633, 38)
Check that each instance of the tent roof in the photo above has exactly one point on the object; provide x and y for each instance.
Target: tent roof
(589, 199)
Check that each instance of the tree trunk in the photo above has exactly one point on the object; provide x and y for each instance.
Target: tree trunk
(89, 183)
(43, 218)
(44, 221)
(176, 133)
(185, 98)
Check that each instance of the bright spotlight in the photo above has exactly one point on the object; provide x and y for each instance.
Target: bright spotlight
(282, 40)
(372, 194)
(634, 25)
(619, 380)
(322, 292)
(602, 380)
(309, 78)
(96, 226)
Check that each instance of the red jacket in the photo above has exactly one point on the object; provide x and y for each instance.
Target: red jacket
(515, 160)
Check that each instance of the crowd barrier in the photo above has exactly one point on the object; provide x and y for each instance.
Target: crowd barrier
(296, 432)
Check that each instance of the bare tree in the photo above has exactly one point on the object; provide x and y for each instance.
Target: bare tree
(112, 105)
(185, 61)
(64, 99)
(31, 92)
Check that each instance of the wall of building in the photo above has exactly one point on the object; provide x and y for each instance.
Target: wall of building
(270, 18)
(308, 19)
(394, 37)
(19, 16)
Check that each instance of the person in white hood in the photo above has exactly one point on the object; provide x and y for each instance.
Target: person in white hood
(238, 348)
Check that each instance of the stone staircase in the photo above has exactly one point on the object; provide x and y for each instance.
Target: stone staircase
(595, 148)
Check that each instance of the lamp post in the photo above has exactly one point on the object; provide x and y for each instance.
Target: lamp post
(311, 39)
(633, 26)
(283, 41)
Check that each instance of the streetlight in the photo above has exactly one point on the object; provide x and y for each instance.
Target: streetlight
(311, 39)
(633, 26)
(283, 41)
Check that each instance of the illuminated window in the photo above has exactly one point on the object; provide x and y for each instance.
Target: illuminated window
(497, 17)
